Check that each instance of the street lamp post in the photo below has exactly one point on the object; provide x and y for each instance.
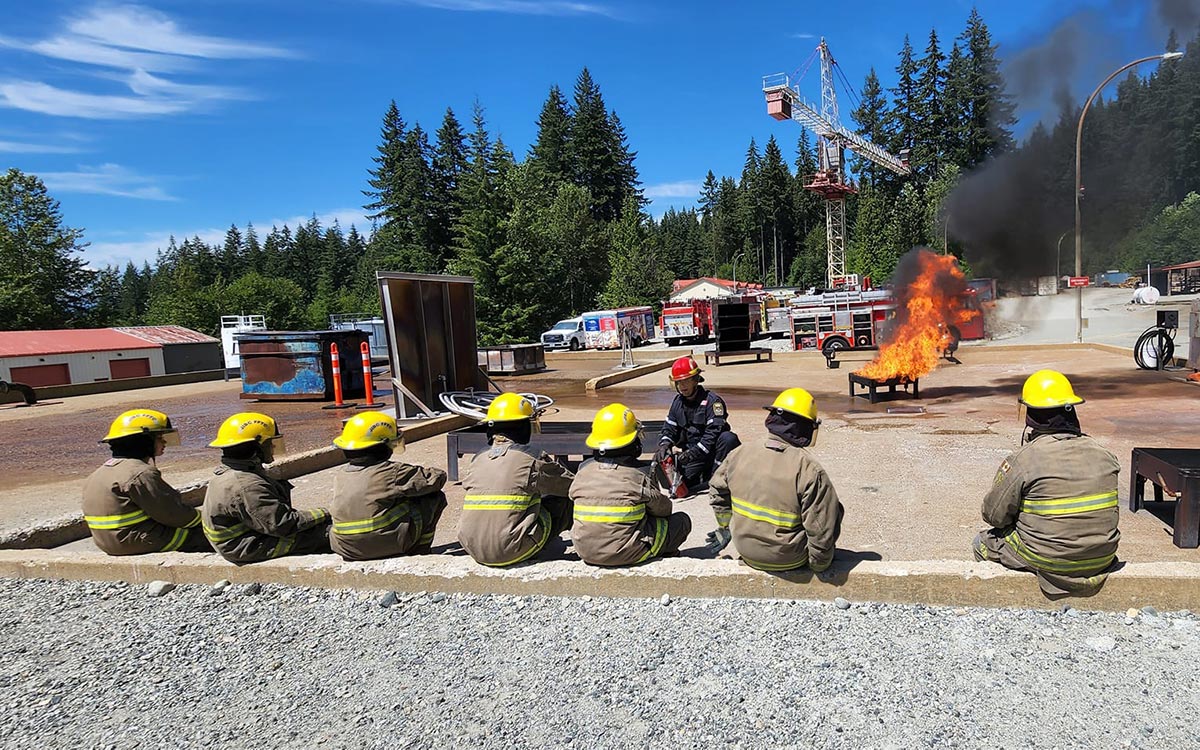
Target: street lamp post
(1058, 260)
(735, 257)
(1078, 180)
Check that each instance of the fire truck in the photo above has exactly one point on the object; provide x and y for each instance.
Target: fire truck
(831, 321)
(850, 319)
(687, 320)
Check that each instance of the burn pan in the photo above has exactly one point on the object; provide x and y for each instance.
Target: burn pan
(910, 388)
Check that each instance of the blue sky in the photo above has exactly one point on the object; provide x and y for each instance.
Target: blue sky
(184, 116)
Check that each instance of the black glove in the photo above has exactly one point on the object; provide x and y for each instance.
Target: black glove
(688, 458)
(660, 455)
(718, 539)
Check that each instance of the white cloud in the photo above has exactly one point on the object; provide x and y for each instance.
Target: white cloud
(138, 247)
(106, 179)
(682, 189)
(803, 35)
(522, 7)
(139, 42)
(19, 147)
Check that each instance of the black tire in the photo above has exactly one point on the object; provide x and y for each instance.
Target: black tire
(574, 345)
(673, 342)
(835, 345)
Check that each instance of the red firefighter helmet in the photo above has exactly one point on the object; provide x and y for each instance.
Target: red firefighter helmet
(684, 368)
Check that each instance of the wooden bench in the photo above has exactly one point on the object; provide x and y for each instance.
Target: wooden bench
(714, 357)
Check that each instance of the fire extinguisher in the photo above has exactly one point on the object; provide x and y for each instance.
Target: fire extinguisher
(672, 478)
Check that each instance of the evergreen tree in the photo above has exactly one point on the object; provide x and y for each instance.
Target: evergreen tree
(600, 159)
(871, 116)
(448, 165)
(906, 108)
(550, 154)
(386, 183)
(988, 115)
(43, 283)
(232, 261)
(955, 103)
(708, 195)
(638, 277)
(930, 122)
(775, 186)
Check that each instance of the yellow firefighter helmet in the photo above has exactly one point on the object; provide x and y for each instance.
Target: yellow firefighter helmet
(141, 422)
(615, 426)
(370, 428)
(1047, 389)
(509, 407)
(246, 427)
(796, 401)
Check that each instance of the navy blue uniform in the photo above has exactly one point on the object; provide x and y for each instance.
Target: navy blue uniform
(699, 426)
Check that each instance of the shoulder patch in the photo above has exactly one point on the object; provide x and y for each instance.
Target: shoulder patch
(718, 408)
(1005, 467)
(113, 461)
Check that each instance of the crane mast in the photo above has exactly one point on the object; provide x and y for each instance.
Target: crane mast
(784, 102)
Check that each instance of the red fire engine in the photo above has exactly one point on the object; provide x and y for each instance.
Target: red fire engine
(690, 320)
(841, 320)
(858, 320)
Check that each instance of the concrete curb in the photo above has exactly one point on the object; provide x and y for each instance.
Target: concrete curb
(1173, 586)
(604, 381)
(71, 528)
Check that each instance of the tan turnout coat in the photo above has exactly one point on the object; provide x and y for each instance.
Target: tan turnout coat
(131, 510)
(503, 522)
(1054, 504)
(248, 515)
(779, 505)
(620, 514)
(373, 511)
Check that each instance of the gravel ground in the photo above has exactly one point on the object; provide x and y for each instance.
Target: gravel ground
(101, 665)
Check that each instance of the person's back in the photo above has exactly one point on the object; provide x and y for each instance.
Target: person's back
(780, 506)
(248, 514)
(1053, 502)
(127, 505)
(381, 507)
(621, 516)
(377, 510)
(1066, 487)
(515, 499)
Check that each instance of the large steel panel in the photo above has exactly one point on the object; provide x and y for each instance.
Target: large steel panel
(430, 324)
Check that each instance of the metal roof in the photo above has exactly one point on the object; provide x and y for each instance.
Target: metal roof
(68, 341)
(168, 335)
(1180, 266)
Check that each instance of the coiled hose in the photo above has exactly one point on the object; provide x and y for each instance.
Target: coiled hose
(1154, 348)
(474, 404)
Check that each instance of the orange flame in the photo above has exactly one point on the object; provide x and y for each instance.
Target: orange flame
(926, 308)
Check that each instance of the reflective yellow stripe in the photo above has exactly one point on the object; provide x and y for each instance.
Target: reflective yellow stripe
(780, 518)
(1051, 565)
(133, 518)
(499, 502)
(367, 525)
(176, 541)
(284, 546)
(194, 522)
(425, 538)
(660, 537)
(723, 516)
(610, 513)
(224, 535)
(1068, 505)
(544, 519)
(774, 567)
(318, 514)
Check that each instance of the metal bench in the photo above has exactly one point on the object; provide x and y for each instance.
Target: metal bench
(1177, 471)
(563, 440)
(714, 357)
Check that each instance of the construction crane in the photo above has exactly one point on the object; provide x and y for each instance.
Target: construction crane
(784, 102)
